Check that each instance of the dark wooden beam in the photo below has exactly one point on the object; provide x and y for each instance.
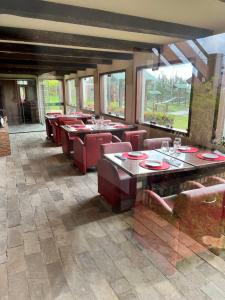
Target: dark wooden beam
(60, 51)
(52, 59)
(6, 70)
(99, 18)
(59, 38)
(69, 66)
(42, 67)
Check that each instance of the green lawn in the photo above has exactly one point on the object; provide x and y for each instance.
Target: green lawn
(180, 122)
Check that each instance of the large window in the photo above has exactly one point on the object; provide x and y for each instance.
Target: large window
(113, 93)
(51, 92)
(87, 93)
(164, 95)
(71, 92)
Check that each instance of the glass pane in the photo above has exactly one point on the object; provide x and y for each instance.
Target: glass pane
(165, 95)
(87, 86)
(52, 95)
(113, 87)
(71, 88)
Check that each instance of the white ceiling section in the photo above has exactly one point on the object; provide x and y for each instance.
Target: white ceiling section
(208, 14)
(21, 22)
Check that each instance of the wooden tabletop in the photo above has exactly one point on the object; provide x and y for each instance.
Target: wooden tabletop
(133, 168)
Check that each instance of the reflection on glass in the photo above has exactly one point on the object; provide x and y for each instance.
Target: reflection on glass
(87, 93)
(165, 95)
(113, 88)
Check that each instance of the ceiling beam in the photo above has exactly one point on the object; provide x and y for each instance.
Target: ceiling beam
(38, 64)
(41, 67)
(77, 40)
(60, 51)
(52, 59)
(99, 18)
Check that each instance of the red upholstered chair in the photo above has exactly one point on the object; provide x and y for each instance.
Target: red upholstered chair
(136, 138)
(62, 121)
(48, 123)
(199, 212)
(114, 185)
(151, 144)
(87, 152)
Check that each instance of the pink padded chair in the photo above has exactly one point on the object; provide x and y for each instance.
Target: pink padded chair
(116, 186)
(87, 152)
(155, 143)
(198, 212)
(136, 138)
(62, 121)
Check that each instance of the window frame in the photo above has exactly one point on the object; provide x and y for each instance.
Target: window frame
(157, 126)
(81, 93)
(67, 91)
(101, 93)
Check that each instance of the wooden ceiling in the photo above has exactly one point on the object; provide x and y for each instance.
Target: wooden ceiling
(27, 47)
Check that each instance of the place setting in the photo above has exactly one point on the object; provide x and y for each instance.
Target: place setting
(135, 155)
(155, 165)
(211, 156)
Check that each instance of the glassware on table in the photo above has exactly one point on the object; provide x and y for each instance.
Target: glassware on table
(93, 120)
(165, 146)
(177, 140)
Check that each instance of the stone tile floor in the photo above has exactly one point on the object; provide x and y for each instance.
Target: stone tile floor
(57, 241)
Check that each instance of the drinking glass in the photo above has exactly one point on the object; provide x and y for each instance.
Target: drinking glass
(165, 146)
(178, 141)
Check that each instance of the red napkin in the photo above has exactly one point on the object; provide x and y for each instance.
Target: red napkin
(164, 166)
(219, 158)
(143, 156)
(191, 150)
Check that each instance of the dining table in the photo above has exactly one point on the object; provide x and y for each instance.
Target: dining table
(53, 117)
(180, 166)
(68, 132)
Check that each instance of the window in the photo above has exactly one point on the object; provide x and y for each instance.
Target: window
(87, 93)
(71, 91)
(113, 93)
(164, 96)
(51, 92)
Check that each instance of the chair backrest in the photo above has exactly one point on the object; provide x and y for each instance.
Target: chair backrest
(151, 144)
(201, 211)
(92, 143)
(136, 138)
(68, 120)
(115, 147)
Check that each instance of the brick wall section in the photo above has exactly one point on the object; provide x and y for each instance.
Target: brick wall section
(4, 142)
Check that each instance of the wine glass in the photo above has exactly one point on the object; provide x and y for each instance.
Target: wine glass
(165, 146)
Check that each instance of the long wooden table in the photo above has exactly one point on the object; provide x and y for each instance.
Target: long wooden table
(68, 132)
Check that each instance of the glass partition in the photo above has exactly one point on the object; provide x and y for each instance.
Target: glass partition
(165, 95)
(87, 93)
(113, 93)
